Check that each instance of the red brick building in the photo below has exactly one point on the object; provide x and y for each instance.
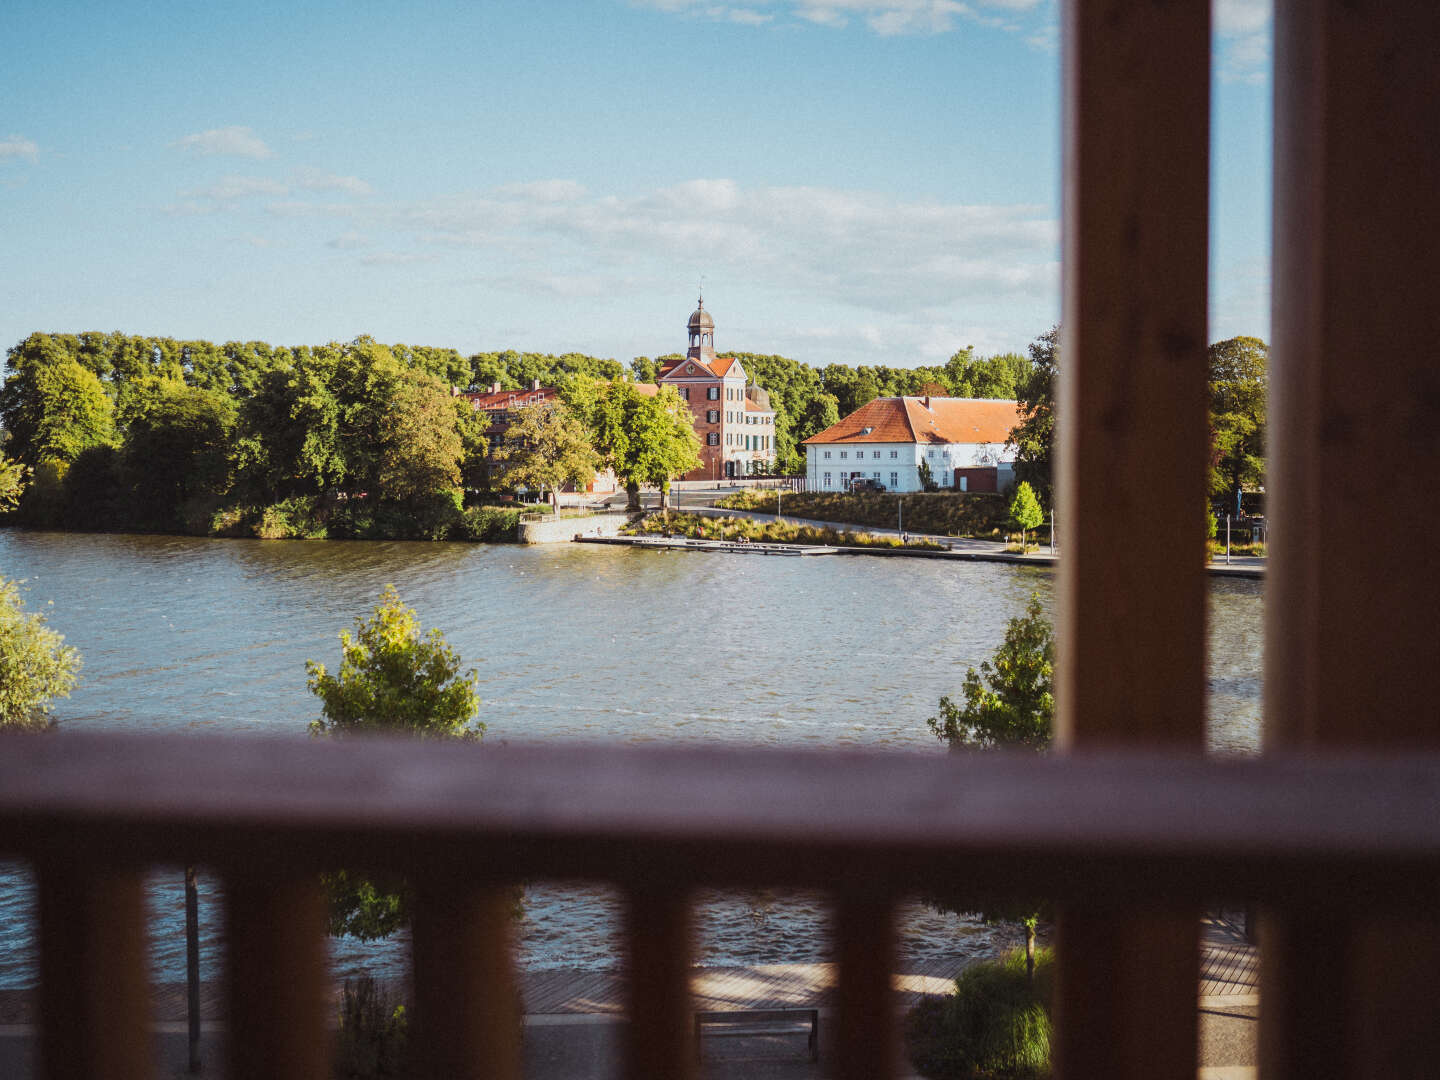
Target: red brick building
(734, 421)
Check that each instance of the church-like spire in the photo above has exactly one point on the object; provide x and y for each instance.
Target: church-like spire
(701, 330)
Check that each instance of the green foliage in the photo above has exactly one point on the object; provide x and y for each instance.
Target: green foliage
(1010, 701)
(1025, 511)
(391, 679)
(13, 478)
(176, 438)
(997, 1024)
(373, 1035)
(945, 513)
(645, 439)
(547, 447)
(768, 532)
(927, 478)
(36, 666)
(1239, 388)
(1034, 436)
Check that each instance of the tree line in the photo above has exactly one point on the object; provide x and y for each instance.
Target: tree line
(116, 431)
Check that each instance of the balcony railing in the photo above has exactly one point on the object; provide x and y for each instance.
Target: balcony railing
(1342, 852)
(1099, 833)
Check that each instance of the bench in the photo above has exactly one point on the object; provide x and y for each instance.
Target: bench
(729, 1022)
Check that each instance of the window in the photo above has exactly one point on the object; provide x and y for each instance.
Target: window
(685, 392)
(713, 393)
(827, 479)
(713, 439)
(842, 455)
(894, 480)
(827, 455)
(876, 454)
(875, 475)
(894, 453)
(713, 415)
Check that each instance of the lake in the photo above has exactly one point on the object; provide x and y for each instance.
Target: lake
(579, 642)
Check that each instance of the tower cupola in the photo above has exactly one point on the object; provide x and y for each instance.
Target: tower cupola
(701, 329)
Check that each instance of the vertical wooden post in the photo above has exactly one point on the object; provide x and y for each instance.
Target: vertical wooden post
(192, 968)
(1350, 641)
(657, 934)
(1132, 466)
(278, 987)
(94, 993)
(865, 1043)
(467, 1000)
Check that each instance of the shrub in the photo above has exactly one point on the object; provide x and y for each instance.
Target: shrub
(36, 665)
(292, 518)
(373, 1032)
(487, 524)
(996, 1026)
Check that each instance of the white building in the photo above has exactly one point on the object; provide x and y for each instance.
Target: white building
(961, 440)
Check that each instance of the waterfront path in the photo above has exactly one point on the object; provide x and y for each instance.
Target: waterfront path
(573, 1018)
(964, 548)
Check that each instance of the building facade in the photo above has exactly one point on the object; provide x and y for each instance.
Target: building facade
(734, 420)
(960, 440)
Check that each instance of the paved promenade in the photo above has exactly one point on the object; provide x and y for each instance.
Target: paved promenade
(574, 1018)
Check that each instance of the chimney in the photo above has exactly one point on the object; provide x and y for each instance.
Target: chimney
(927, 401)
(494, 387)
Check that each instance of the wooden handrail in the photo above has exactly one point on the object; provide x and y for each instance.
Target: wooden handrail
(1313, 830)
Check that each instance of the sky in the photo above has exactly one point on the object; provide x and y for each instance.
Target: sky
(852, 181)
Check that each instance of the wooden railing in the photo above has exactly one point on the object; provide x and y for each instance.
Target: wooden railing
(1342, 852)
(464, 823)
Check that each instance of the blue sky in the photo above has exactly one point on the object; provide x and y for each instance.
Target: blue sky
(861, 181)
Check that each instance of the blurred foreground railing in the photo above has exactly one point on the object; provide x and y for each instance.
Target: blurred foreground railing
(463, 823)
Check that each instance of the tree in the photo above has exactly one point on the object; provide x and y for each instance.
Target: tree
(13, 476)
(1025, 511)
(546, 447)
(36, 666)
(1034, 436)
(176, 448)
(645, 439)
(925, 476)
(1239, 385)
(391, 680)
(1010, 702)
(53, 407)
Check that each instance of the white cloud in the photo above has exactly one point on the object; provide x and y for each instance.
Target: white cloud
(319, 180)
(348, 241)
(227, 141)
(1242, 28)
(17, 146)
(884, 17)
(230, 188)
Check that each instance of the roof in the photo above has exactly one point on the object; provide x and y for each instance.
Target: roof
(700, 318)
(722, 366)
(510, 399)
(646, 389)
(751, 406)
(925, 420)
(672, 368)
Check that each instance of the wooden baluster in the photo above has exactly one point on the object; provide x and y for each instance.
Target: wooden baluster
(467, 1002)
(1132, 418)
(94, 991)
(657, 934)
(278, 987)
(865, 1042)
(1350, 643)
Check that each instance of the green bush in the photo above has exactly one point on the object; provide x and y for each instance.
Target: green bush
(765, 532)
(947, 513)
(296, 518)
(488, 524)
(996, 1026)
(373, 1032)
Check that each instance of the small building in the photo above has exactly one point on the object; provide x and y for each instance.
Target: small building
(734, 420)
(960, 440)
(500, 407)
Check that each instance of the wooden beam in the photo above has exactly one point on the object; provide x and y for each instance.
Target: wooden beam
(1351, 645)
(865, 1044)
(1132, 464)
(658, 1043)
(467, 1000)
(94, 989)
(277, 983)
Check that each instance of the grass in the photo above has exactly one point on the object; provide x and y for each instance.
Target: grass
(981, 515)
(995, 1026)
(766, 532)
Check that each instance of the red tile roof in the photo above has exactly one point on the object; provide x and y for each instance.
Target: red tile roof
(511, 399)
(723, 365)
(646, 389)
(751, 406)
(925, 420)
(672, 367)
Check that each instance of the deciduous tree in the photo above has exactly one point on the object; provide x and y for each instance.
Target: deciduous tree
(36, 666)
(1034, 436)
(1025, 511)
(391, 680)
(645, 439)
(1239, 384)
(546, 447)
